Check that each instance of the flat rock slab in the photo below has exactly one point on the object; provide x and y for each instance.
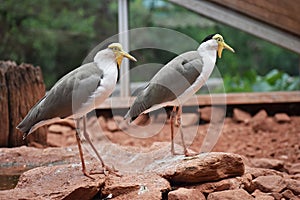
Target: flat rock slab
(135, 186)
(238, 194)
(30, 157)
(202, 168)
(56, 182)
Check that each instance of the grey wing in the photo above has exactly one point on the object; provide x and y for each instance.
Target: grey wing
(171, 81)
(60, 100)
(74, 89)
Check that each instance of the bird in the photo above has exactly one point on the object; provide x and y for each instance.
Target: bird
(176, 82)
(76, 94)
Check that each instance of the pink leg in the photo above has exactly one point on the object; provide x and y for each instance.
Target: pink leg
(88, 139)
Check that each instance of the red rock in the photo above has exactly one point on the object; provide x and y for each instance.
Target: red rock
(135, 186)
(241, 116)
(246, 182)
(185, 194)
(277, 196)
(230, 195)
(261, 195)
(56, 128)
(226, 184)
(272, 183)
(256, 172)
(142, 120)
(289, 194)
(294, 168)
(33, 157)
(264, 197)
(267, 125)
(293, 185)
(260, 116)
(213, 114)
(267, 163)
(55, 140)
(67, 122)
(199, 168)
(205, 113)
(282, 118)
(102, 122)
(112, 125)
(55, 182)
(243, 182)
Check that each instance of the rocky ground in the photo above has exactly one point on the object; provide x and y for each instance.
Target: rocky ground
(262, 160)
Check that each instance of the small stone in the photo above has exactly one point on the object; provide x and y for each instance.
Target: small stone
(205, 113)
(277, 196)
(289, 194)
(66, 122)
(112, 125)
(241, 116)
(260, 116)
(56, 128)
(188, 119)
(225, 184)
(267, 125)
(267, 163)
(55, 140)
(256, 172)
(272, 183)
(230, 195)
(282, 118)
(102, 122)
(293, 185)
(185, 194)
(261, 195)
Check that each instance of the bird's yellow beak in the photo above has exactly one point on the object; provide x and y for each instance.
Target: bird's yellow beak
(222, 45)
(127, 55)
(121, 54)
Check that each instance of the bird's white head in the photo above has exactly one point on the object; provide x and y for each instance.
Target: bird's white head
(218, 42)
(120, 53)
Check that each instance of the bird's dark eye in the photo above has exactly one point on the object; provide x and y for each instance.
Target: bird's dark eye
(219, 39)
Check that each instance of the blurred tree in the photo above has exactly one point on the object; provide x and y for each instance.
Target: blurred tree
(56, 34)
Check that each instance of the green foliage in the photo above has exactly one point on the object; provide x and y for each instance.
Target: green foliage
(275, 80)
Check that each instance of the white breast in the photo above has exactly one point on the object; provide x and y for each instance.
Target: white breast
(108, 65)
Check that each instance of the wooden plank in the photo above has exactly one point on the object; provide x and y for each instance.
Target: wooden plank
(282, 14)
(242, 22)
(217, 99)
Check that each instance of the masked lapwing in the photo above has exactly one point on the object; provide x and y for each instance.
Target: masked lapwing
(78, 93)
(177, 81)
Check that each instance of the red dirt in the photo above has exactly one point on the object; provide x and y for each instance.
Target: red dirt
(267, 139)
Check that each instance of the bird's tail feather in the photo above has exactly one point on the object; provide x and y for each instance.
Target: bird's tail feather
(27, 124)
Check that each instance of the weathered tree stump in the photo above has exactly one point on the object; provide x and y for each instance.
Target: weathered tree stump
(21, 86)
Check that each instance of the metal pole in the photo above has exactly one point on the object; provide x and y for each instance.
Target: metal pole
(123, 39)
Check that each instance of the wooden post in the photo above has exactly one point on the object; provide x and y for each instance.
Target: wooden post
(21, 87)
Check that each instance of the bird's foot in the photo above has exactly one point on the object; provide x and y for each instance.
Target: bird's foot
(189, 154)
(88, 175)
(112, 170)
